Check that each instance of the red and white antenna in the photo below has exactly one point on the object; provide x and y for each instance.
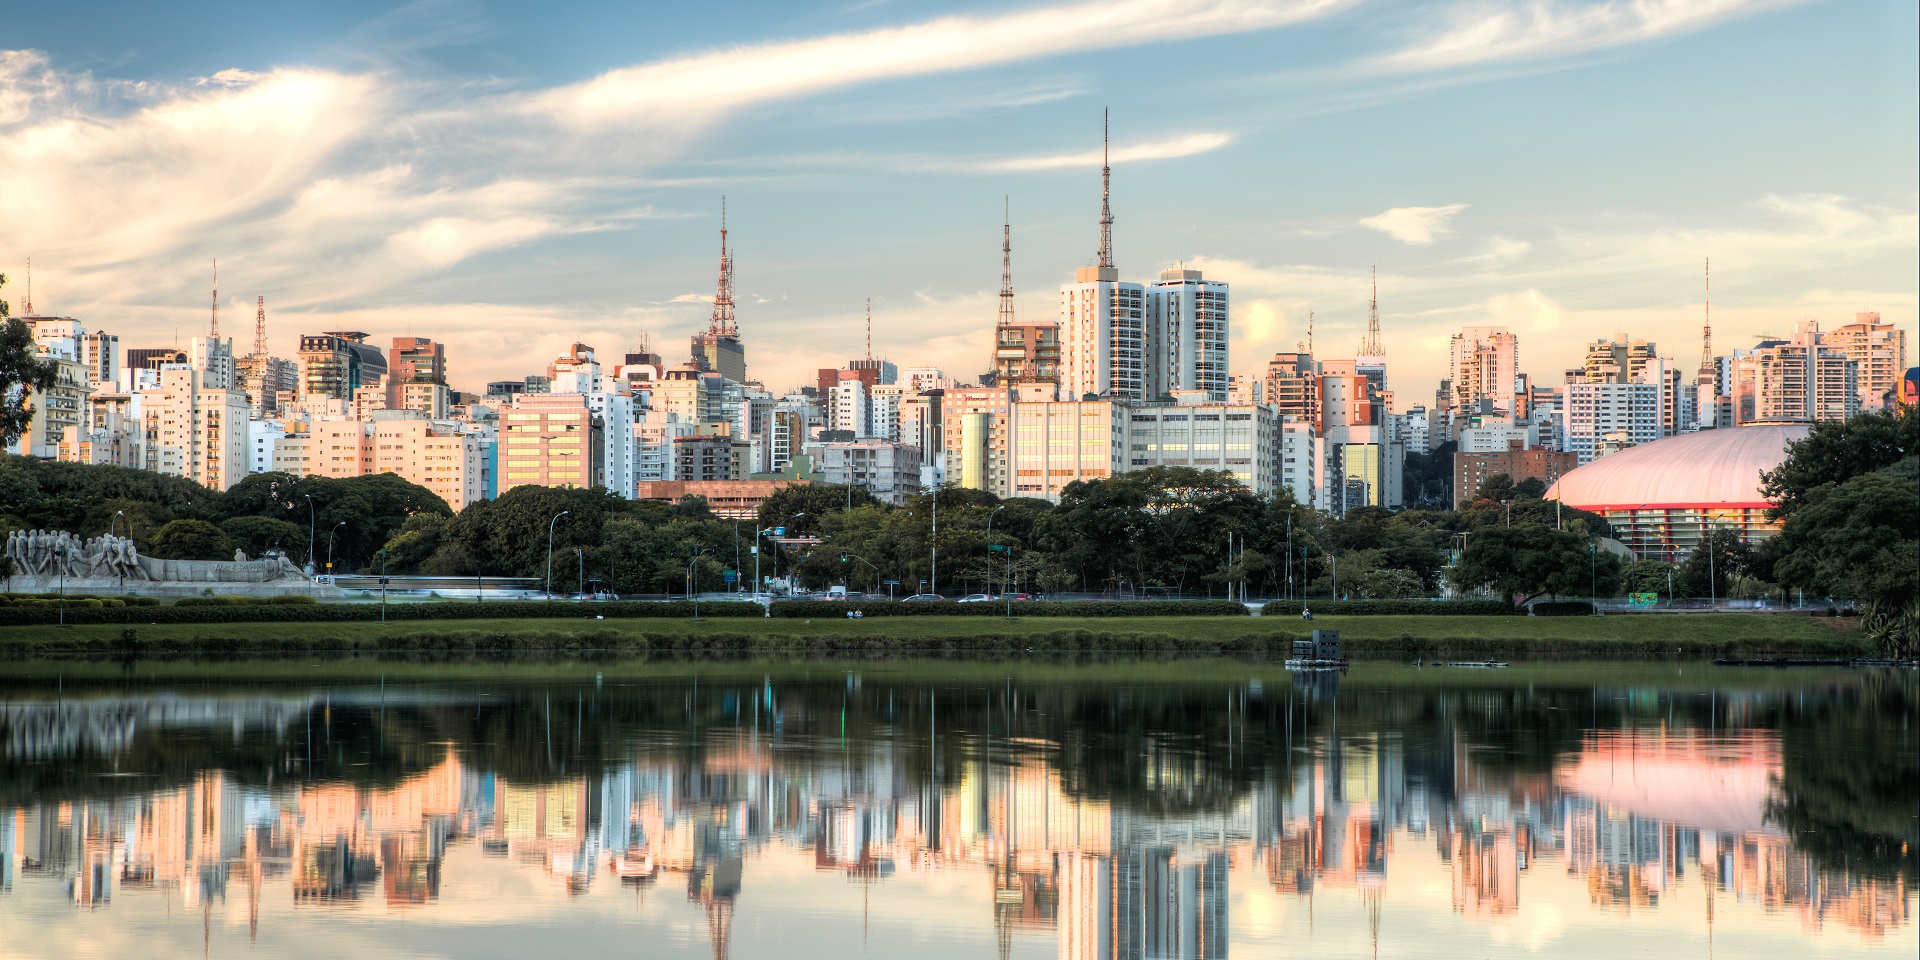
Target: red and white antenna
(26, 303)
(1706, 329)
(214, 331)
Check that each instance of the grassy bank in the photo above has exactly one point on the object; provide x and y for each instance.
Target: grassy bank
(1697, 635)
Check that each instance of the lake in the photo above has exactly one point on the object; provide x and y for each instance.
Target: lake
(1070, 808)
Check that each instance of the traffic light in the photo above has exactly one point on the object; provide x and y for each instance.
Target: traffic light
(843, 558)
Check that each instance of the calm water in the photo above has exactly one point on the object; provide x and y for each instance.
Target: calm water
(954, 809)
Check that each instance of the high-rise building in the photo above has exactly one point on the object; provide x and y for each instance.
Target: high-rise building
(1607, 417)
(1237, 438)
(337, 363)
(890, 471)
(195, 430)
(1616, 359)
(1186, 335)
(551, 440)
(1485, 366)
(1026, 352)
(1879, 354)
(417, 377)
(1293, 387)
(1047, 444)
(1799, 379)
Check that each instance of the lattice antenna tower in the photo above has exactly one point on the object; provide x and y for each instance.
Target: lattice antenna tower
(1006, 265)
(1106, 176)
(260, 327)
(1371, 346)
(214, 330)
(722, 323)
(26, 303)
(1309, 332)
(869, 328)
(1706, 326)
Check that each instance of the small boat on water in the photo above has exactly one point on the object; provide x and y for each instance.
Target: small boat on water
(1297, 664)
(1481, 664)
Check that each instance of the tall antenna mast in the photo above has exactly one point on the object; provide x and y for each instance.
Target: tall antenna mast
(869, 328)
(1309, 332)
(1371, 346)
(26, 304)
(722, 323)
(214, 330)
(1006, 264)
(1106, 175)
(260, 328)
(1706, 330)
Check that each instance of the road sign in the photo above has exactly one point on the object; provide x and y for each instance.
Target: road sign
(779, 531)
(891, 583)
(730, 576)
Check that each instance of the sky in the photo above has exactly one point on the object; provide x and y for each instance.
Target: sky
(511, 179)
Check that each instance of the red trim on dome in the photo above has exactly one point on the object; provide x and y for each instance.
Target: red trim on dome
(1762, 505)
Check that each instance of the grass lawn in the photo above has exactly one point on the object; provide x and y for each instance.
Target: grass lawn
(1739, 634)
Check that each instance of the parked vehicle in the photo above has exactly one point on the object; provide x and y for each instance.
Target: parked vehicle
(976, 598)
(923, 598)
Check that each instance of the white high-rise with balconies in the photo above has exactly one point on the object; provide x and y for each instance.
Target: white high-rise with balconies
(1185, 336)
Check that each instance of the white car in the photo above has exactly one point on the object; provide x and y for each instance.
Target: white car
(975, 598)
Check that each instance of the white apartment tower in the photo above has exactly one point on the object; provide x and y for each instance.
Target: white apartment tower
(1485, 365)
(1186, 335)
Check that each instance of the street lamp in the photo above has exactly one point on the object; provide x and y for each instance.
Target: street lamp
(383, 584)
(330, 533)
(691, 592)
(580, 557)
(990, 514)
(112, 526)
(310, 532)
(550, 523)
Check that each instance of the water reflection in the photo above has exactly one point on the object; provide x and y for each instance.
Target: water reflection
(1088, 817)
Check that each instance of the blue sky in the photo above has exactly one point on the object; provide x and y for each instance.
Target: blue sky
(511, 179)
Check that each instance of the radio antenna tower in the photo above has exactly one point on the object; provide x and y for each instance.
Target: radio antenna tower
(214, 331)
(722, 323)
(1106, 175)
(1006, 264)
(260, 327)
(1309, 332)
(1371, 346)
(869, 328)
(26, 303)
(1706, 330)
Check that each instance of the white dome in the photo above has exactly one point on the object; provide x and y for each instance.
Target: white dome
(1710, 468)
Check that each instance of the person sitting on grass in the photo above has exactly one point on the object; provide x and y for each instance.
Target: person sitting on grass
(1306, 614)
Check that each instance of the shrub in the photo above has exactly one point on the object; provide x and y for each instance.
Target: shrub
(1563, 608)
(1390, 608)
(285, 599)
(42, 612)
(190, 540)
(837, 609)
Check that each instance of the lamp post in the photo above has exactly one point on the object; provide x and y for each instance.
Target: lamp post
(1713, 586)
(990, 514)
(580, 557)
(933, 548)
(112, 525)
(1593, 565)
(691, 592)
(330, 533)
(383, 584)
(550, 523)
(310, 530)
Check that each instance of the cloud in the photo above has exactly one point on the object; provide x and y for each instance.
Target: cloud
(1499, 252)
(1185, 145)
(691, 89)
(1503, 30)
(1416, 225)
(1524, 311)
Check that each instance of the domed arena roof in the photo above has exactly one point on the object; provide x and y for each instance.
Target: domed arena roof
(1709, 468)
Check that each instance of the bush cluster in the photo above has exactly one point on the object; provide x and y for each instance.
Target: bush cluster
(1563, 608)
(830, 609)
(36, 615)
(285, 599)
(34, 599)
(1389, 608)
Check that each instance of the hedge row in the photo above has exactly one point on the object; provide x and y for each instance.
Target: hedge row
(285, 599)
(21, 616)
(1563, 608)
(830, 609)
(30, 599)
(1390, 608)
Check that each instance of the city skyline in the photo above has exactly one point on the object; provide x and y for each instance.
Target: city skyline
(337, 175)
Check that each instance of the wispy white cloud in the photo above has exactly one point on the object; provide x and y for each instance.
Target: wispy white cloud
(1415, 225)
(692, 89)
(1488, 31)
(1183, 145)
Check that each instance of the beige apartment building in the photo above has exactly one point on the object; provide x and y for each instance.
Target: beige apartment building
(1049, 444)
(1879, 354)
(195, 431)
(549, 440)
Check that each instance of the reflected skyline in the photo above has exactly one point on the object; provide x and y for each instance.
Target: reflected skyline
(1098, 820)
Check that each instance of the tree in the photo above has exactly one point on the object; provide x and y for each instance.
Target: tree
(1647, 576)
(815, 500)
(1834, 452)
(191, 540)
(1496, 488)
(257, 535)
(21, 372)
(1710, 569)
(1532, 561)
(1861, 540)
(508, 537)
(1428, 477)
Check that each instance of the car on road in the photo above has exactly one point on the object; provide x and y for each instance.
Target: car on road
(923, 598)
(975, 598)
